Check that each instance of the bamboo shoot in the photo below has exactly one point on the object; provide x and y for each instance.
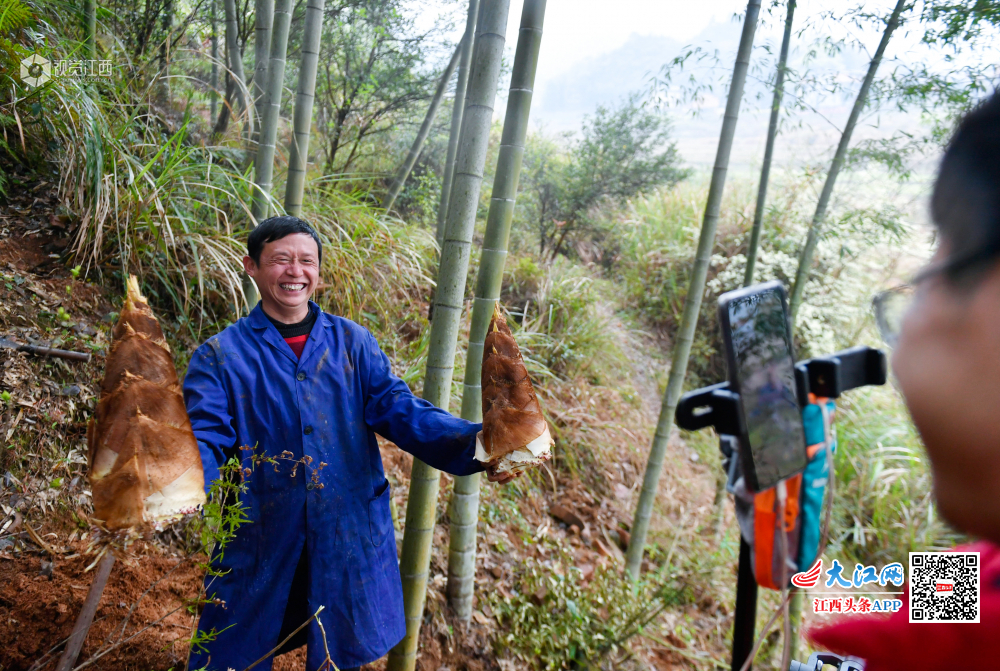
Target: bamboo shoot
(144, 460)
(515, 434)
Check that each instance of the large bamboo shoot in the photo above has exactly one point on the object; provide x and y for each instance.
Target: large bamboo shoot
(144, 461)
(515, 434)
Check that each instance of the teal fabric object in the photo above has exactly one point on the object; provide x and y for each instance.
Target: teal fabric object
(814, 480)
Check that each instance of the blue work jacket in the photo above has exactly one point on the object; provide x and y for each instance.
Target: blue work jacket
(245, 388)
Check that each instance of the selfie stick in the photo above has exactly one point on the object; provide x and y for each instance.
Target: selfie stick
(718, 407)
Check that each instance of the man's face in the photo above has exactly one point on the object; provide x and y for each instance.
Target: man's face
(286, 275)
(948, 366)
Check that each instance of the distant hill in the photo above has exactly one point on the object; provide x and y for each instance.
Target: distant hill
(563, 100)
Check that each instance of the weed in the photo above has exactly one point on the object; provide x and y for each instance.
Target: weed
(562, 333)
(558, 620)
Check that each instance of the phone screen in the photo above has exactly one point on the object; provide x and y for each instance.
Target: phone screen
(765, 375)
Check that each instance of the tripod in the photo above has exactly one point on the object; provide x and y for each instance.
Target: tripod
(719, 407)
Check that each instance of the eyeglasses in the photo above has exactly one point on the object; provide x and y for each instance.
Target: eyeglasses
(891, 306)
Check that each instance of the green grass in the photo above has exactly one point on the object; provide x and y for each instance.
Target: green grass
(556, 620)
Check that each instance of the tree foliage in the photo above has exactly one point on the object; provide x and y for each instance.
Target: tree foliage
(623, 150)
(373, 73)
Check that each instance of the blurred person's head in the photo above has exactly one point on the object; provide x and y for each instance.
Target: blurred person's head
(947, 359)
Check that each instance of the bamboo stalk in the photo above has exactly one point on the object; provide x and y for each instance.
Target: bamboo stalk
(264, 163)
(263, 16)
(457, 107)
(448, 304)
(233, 56)
(425, 128)
(86, 617)
(213, 95)
(819, 217)
(90, 29)
(168, 28)
(772, 132)
(298, 153)
(692, 302)
(465, 501)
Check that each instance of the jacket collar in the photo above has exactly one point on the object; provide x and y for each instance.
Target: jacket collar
(259, 322)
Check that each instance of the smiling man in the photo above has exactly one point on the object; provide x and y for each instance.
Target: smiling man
(298, 395)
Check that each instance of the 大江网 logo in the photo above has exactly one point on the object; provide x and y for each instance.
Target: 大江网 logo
(35, 70)
(808, 579)
(890, 574)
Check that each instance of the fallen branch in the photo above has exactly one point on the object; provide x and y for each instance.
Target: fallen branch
(42, 661)
(141, 597)
(288, 638)
(86, 617)
(683, 653)
(121, 643)
(327, 663)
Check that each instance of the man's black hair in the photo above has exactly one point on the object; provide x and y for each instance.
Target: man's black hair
(966, 201)
(277, 228)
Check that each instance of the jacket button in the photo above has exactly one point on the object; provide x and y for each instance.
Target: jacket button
(300, 377)
(311, 486)
(308, 429)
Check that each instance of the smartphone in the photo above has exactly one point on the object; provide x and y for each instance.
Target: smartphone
(758, 342)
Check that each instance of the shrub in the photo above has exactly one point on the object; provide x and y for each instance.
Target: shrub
(556, 620)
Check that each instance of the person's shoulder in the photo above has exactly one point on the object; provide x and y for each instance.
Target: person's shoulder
(224, 341)
(348, 327)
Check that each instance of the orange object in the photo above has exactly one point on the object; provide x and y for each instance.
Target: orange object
(766, 530)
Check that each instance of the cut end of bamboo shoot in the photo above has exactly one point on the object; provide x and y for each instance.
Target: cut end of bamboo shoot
(144, 461)
(515, 434)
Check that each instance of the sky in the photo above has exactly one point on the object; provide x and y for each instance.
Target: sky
(596, 52)
(578, 30)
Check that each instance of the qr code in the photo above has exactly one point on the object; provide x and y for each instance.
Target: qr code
(944, 587)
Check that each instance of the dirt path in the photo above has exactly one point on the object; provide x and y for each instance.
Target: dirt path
(647, 357)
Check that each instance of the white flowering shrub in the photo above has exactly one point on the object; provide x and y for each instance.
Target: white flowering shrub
(856, 256)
